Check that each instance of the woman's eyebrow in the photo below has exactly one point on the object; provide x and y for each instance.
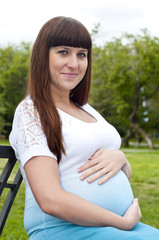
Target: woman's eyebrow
(84, 50)
(68, 48)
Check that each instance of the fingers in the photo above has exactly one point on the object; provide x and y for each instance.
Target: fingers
(136, 202)
(133, 214)
(90, 171)
(106, 178)
(104, 173)
(93, 161)
(96, 154)
(99, 175)
(88, 165)
(96, 176)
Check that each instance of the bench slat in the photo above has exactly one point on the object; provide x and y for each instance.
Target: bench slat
(6, 173)
(8, 152)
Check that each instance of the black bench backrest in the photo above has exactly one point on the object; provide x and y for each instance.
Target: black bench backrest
(8, 152)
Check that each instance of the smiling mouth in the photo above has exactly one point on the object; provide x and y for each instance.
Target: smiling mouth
(70, 75)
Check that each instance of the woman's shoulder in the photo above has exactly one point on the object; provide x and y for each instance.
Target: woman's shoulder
(25, 112)
(26, 105)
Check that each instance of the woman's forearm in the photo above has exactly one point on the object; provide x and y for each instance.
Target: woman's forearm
(77, 210)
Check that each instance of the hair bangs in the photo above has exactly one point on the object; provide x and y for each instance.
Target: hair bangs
(70, 32)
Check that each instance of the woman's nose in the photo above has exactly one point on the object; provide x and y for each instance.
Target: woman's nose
(72, 61)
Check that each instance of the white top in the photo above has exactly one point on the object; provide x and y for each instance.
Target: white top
(81, 140)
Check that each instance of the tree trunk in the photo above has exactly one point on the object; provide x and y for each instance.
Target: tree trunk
(133, 118)
(125, 141)
(138, 138)
(141, 132)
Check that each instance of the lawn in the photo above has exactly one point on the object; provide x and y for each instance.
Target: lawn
(144, 181)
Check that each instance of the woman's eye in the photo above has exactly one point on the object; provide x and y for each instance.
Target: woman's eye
(82, 55)
(63, 52)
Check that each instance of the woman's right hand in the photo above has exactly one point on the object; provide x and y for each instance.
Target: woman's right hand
(104, 164)
(132, 215)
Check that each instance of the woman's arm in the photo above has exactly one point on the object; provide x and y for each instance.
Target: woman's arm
(102, 162)
(43, 176)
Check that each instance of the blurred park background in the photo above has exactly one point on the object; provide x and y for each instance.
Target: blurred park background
(125, 84)
(125, 90)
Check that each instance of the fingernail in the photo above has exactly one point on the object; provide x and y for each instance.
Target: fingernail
(89, 180)
(100, 182)
(78, 169)
(81, 177)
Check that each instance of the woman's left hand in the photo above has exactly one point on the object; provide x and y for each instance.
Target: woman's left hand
(104, 163)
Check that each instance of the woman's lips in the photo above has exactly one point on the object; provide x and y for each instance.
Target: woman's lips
(70, 75)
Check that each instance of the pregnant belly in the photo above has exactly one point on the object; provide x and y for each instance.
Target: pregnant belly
(115, 195)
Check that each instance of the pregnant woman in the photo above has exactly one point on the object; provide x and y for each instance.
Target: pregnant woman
(56, 135)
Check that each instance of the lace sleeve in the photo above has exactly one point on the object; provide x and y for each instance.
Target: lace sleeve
(27, 137)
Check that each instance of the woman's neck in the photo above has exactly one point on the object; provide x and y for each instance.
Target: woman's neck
(61, 98)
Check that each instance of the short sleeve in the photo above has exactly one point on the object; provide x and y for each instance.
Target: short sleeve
(27, 137)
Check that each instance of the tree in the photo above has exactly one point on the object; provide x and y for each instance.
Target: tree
(126, 83)
(14, 62)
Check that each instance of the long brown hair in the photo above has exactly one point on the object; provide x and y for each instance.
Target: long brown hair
(59, 31)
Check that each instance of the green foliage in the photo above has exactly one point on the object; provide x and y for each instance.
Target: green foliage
(14, 64)
(95, 32)
(125, 82)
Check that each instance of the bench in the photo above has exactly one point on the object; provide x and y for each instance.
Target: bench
(8, 152)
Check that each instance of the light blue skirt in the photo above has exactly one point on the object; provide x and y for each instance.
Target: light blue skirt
(75, 232)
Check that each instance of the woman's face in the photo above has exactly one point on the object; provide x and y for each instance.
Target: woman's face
(67, 66)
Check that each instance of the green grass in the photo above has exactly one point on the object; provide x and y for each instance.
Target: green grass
(144, 181)
(4, 141)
